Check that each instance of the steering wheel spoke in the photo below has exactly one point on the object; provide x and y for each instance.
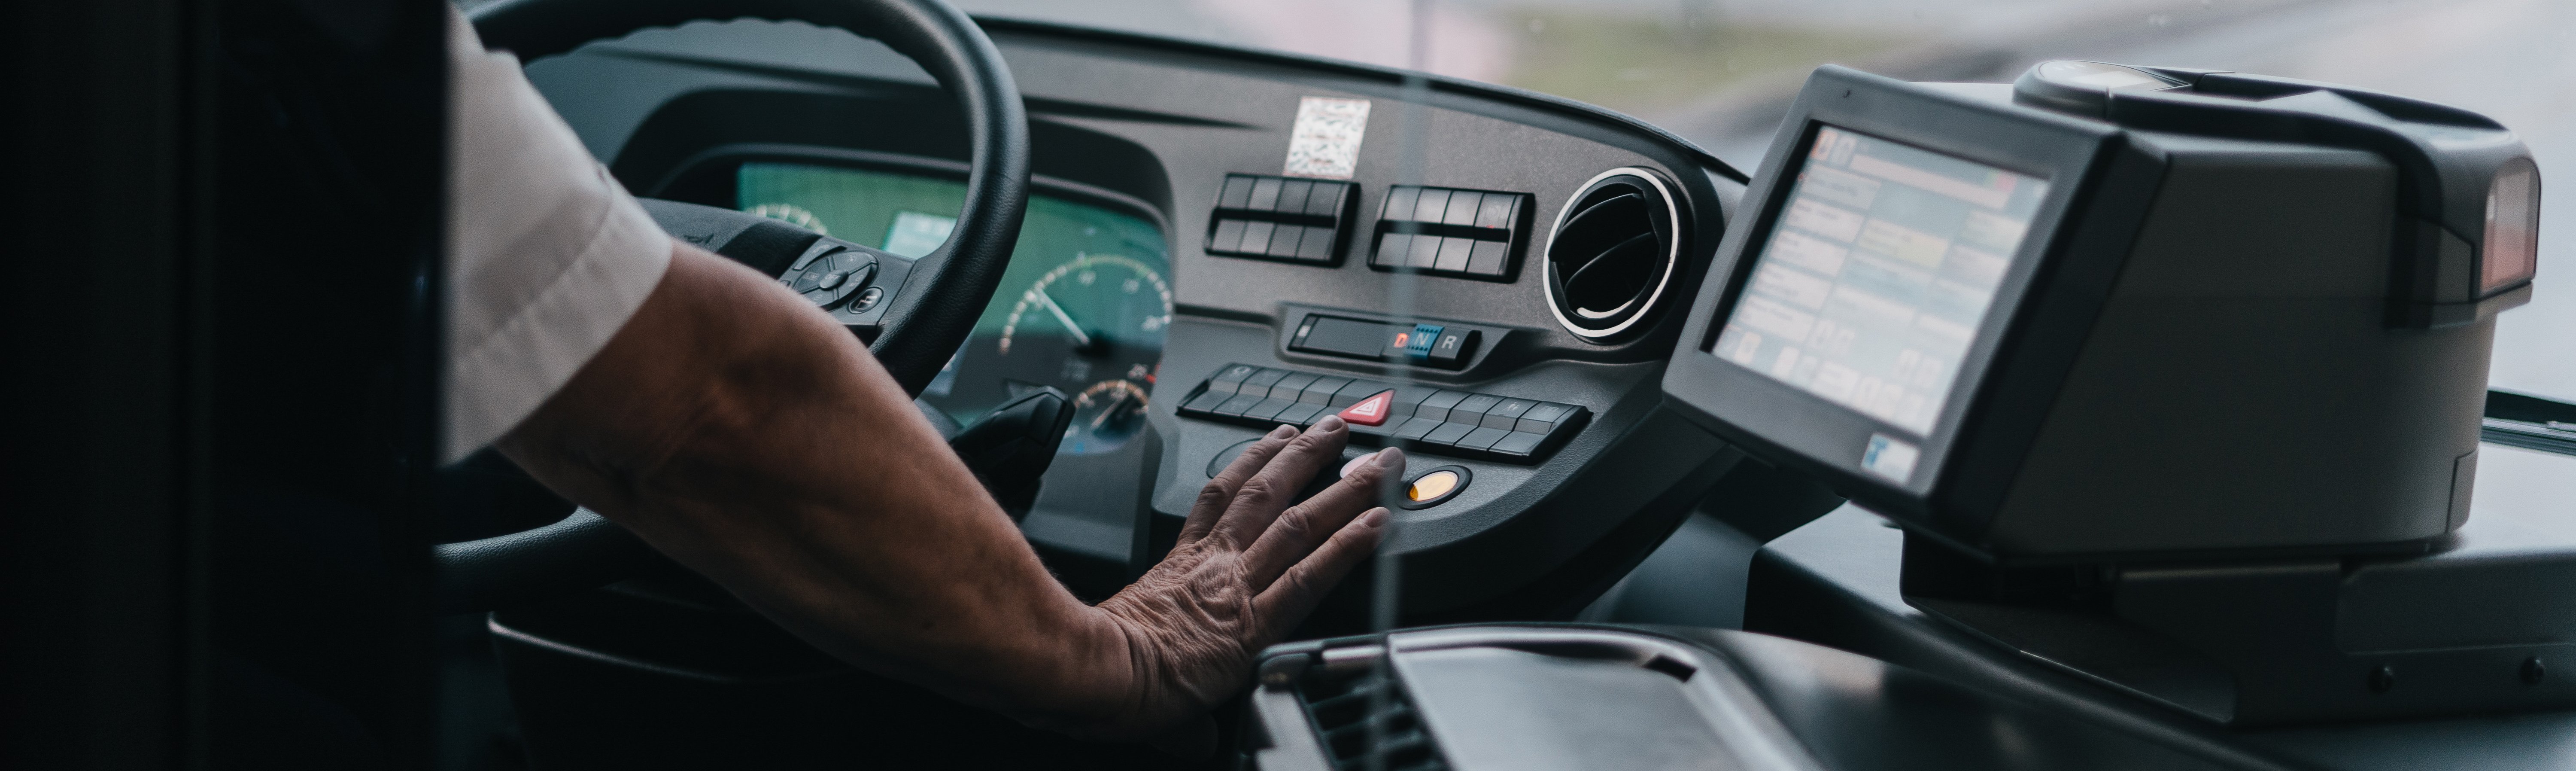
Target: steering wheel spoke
(855, 283)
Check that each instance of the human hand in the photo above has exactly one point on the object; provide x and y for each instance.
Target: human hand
(1246, 568)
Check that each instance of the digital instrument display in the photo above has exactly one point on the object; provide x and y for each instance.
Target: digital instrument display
(1083, 306)
(1882, 266)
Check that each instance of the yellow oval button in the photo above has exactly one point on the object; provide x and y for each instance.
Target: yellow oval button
(1432, 485)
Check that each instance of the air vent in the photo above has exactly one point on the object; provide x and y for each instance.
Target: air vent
(1367, 722)
(1612, 255)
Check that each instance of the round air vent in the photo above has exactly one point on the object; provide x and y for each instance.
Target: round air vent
(1613, 253)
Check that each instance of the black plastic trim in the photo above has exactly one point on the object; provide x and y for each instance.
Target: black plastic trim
(692, 180)
(1479, 89)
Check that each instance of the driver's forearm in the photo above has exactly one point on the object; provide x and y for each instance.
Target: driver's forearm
(748, 436)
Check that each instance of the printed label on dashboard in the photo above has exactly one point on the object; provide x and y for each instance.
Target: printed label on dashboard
(1325, 142)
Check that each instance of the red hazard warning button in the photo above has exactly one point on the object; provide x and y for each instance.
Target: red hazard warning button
(1371, 411)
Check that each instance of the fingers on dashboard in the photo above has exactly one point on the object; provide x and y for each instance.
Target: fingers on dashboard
(1298, 531)
(1295, 593)
(1219, 495)
(1277, 485)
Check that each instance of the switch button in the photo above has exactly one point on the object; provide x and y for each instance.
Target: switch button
(1371, 411)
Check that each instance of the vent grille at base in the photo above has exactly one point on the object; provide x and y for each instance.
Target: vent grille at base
(1350, 709)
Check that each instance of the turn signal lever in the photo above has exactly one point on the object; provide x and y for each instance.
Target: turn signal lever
(1013, 445)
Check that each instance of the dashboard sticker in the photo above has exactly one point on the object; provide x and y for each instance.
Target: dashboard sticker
(1325, 142)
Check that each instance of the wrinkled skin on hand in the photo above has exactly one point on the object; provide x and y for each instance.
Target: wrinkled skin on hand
(722, 425)
(1246, 568)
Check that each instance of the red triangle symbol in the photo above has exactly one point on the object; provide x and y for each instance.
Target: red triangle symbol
(1370, 411)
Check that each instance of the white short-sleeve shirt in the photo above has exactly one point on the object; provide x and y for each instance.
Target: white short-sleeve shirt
(547, 255)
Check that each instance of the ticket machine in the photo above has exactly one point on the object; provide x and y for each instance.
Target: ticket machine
(2173, 380)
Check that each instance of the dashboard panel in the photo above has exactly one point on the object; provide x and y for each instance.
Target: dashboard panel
(1083, 307)
(1139, 279)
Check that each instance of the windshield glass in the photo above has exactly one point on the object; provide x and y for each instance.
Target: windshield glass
(1721, 72)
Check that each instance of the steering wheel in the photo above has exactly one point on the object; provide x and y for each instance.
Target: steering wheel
(928, 315)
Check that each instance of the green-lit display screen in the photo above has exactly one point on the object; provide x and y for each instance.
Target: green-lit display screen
(1083, 307)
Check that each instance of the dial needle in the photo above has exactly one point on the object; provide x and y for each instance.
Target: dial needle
(1080, 337)
(1103, 418)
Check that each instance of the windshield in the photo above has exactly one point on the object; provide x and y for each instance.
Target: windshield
(1721, 72)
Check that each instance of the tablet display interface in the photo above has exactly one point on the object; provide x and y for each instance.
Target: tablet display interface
(1882, 266)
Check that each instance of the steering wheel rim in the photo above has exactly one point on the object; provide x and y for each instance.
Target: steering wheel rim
(935, 310)
(927, 318)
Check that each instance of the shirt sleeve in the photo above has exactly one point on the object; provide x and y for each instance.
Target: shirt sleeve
(547, 255)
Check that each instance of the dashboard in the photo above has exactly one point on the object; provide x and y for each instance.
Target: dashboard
(1220, 241)
(1083, 308)
(1484, 277)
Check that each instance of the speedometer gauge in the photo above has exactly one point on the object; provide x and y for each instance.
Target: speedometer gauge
(1094, 302)
(1104, 415)
(791, 214)
(1097, 317)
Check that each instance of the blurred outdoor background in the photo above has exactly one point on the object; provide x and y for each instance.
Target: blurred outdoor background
(1721, 72)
